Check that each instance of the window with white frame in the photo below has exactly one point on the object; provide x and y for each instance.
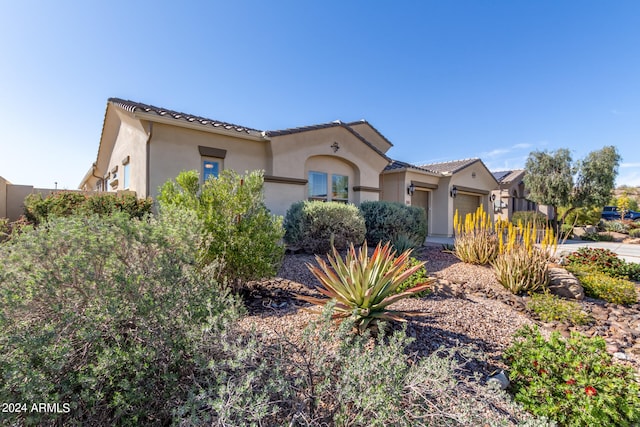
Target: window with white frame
(340, 188)
(125, 173)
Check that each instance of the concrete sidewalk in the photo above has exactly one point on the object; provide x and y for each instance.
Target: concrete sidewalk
(628, 252)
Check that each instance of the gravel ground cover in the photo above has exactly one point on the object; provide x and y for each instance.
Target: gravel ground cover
(468, 309)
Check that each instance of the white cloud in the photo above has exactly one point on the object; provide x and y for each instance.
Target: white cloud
(630, 165)
(525, 145)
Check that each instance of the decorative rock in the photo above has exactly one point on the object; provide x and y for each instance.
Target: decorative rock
(499, 378)
(565, 284)
(621, 356)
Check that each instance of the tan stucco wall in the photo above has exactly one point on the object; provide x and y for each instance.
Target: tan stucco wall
(394, 189)
(294, 155)
(16, 195)
(371, 135)
(279, 197)
(290, 154)
(3, 197)
(174, 149)
(130, 141)
(442, 209)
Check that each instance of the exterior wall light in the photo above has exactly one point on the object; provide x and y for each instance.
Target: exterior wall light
(492, 197)
(411, 189)
(454, 191)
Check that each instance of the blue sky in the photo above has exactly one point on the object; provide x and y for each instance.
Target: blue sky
(443, 80)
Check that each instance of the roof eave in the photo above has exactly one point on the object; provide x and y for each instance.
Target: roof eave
(171, 121)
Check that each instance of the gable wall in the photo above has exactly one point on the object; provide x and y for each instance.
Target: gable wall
(175, 149)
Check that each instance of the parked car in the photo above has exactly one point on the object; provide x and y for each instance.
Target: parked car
(611, 212)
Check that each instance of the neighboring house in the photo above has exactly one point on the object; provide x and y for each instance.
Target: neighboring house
(511, 196)
(143, 146)
(440, 188)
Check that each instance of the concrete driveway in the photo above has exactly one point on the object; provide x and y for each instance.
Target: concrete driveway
(626, 251)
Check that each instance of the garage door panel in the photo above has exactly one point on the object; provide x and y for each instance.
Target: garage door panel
(465, 204)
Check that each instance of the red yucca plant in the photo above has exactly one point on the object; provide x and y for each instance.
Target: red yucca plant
(364, 287)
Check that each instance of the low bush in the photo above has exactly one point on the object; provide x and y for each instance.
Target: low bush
(551, 308)
(64, 203)
(597, 237)
(364, 286)
(105, 315)
(317, 226)
(604, 287)
(242, 235)
(522, 270)
(604, 261)
(531, 218)
(405, 226)
(635, 233)
(417, 278)
(573, 382)
(332, 377)
(615, 226)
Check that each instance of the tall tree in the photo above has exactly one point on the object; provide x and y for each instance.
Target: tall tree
(550, 178)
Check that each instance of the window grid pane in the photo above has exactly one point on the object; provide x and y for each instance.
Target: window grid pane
(210, 169)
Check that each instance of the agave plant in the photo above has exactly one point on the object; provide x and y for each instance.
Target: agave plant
(365, 287)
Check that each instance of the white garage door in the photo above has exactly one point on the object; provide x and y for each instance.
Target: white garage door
(465, 204)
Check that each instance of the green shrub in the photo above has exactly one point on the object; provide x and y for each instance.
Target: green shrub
(315, 226)
(521, 270)
(64, 203)
(4, 229)
(605, 287)
(635, 233)
(243, 237)
(582, 216)
(417, 278)
(529, 217)
(597, 237)
(332, 377)
(604, 261)
(615, 226)
(573, 382)
(395, 222)
(105, 314)
(551, 308)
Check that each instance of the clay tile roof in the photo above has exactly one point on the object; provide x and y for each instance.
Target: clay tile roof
(450, 167)
(132, 107)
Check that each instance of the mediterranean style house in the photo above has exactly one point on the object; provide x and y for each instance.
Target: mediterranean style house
(143, 146)
(511, 195)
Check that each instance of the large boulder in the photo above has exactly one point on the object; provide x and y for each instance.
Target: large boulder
(565, 284)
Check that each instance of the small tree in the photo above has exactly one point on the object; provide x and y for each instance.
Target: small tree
(624, 205)
(552, 179)
(243, 235)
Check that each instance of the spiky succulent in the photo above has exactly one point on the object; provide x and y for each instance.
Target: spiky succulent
(366, 286)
